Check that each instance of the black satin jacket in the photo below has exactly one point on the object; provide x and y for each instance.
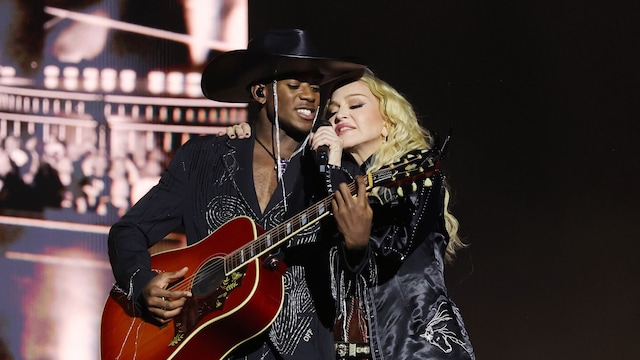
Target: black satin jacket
(208, 183)
(399, 277)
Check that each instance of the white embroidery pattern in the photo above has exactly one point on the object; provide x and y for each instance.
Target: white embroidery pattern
(294, 320)
(222, 209)
(441, 337)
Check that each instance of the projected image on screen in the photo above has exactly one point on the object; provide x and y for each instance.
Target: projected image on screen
(93, 92)
(95, 97)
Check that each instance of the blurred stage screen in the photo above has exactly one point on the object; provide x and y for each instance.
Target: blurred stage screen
(95, 96)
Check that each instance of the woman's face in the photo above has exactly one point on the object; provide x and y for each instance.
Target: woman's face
(355, 115)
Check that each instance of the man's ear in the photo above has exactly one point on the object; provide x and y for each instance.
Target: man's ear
(257, 91)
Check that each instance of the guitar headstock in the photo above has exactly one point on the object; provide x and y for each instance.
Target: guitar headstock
(415, 165)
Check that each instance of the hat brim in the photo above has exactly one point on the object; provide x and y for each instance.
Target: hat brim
(227, 77)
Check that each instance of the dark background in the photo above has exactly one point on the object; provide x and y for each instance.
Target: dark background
(542, 98)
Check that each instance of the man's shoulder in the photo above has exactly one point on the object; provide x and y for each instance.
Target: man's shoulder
(207, 147)
(205, 141)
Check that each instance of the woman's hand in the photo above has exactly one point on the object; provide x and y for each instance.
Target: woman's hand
(325, 135)
(241, 131)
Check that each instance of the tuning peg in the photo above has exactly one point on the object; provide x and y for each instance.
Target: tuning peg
(400, 191)
(414, 187)
(428, 182)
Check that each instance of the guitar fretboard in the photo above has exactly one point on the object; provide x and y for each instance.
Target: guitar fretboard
(281, 233)
(409, 169)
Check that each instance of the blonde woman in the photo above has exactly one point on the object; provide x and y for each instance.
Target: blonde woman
(388, 263)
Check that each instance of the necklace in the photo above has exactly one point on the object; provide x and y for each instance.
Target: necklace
(283, 162)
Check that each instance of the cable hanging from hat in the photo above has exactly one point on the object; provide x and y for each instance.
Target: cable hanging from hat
(278, 164)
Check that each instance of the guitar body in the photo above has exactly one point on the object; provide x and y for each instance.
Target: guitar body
(225, 311)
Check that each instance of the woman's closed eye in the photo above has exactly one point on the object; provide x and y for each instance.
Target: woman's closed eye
(332, 112)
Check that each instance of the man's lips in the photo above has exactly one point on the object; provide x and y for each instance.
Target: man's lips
(307, 114)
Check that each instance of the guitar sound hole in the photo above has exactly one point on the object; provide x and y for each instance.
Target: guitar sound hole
(208, 278)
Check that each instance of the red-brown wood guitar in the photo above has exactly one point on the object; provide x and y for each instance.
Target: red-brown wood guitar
(237, 288)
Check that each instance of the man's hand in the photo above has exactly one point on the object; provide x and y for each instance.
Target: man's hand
(353, 215)
(163, 304)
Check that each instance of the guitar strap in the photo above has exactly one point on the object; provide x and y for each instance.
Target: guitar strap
(354, 345)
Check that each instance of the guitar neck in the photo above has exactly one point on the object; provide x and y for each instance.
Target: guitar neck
(419, 164)
(271, 239)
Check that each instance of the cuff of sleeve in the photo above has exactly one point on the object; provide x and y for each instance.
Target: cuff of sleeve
(139, 279)
(356, 260)
(336, 175)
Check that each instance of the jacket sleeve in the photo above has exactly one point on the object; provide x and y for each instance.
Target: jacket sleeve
(402, 220)
(153, 217)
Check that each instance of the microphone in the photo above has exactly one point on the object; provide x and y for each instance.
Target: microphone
(322, 152)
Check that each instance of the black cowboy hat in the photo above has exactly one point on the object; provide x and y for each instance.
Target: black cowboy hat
(269, 56)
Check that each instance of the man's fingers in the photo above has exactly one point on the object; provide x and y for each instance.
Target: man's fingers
(170, 277)
(169, 304)
(163, 316)
(362, 188)
(164, 308)
(175, 275)
(338, 199)
(160, 291)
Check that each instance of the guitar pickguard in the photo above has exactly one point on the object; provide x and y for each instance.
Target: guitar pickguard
(201, 305)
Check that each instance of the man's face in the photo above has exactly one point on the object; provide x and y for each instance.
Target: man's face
(298, 102)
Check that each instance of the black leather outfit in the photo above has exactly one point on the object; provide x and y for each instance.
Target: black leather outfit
(399, 278)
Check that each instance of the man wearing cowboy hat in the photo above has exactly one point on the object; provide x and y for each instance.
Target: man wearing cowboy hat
(214, 180)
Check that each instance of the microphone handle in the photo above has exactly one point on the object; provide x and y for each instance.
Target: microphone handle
(323, 157)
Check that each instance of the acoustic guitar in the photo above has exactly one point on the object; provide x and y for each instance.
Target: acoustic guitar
(237, 286)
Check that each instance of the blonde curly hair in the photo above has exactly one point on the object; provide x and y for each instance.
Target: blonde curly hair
(404, 135)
